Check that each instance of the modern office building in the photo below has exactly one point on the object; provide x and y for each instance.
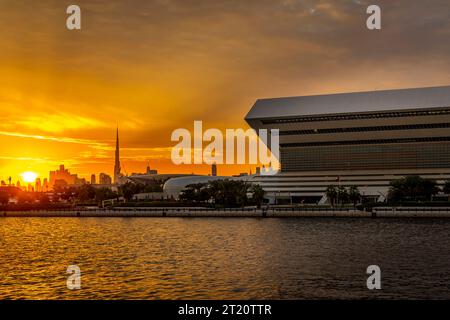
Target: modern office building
(365, 139)
(117, 168)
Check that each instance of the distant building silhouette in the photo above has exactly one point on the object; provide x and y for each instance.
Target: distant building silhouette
(62, 174)
(104, 179)
(45, 185)
(214, 170)
(93, 180)
(60, 183)
(37, 185)
(80, 181)
(151, 171)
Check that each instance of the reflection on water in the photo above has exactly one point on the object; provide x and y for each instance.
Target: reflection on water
(213, 258)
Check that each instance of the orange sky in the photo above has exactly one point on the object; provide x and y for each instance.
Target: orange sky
(154, 66)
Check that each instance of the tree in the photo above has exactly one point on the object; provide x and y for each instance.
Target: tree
(128, 190)
(85, 192)
(241, 189)
(446, 188)
(104, 193)
(226, 193)
(230, 193)
(197, 192)
(396, 191)
(331, 194)
(354, 195)
(43, 199)
(342, 195)
(64, 192)
(412, 188)
(218, 192)
(187, 194)
(24, 197)
(4, 197)
(257, 194)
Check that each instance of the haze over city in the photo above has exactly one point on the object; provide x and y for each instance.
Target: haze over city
(154, 66)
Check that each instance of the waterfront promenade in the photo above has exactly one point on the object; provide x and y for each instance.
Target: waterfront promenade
(381, 212)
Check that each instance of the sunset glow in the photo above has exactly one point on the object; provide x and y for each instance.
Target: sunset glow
(154, 66)
(29, 176)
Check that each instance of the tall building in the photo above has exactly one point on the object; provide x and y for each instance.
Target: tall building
(37, 185)
(117, 160)
(93, 180)
(45, 185)
(365, 139)
(214, 170)
(62, 174)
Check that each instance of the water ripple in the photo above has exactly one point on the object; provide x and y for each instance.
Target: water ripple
(213, 258)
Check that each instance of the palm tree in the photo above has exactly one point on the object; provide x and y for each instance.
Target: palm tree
(257, 194)
(331, 194)
(85, 192)
(354, 195)
(242, 189)
(446, 188)
(229, 193)
(342, 195)
(128, 190)
(217, 191)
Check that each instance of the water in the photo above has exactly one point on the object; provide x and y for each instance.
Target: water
(213, 258)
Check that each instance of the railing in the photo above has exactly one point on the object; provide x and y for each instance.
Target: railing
(411, 211)
(234, 212)
(186, 211)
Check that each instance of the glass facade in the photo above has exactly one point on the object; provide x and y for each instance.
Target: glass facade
(369, 156)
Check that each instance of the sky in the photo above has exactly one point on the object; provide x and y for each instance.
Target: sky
(151, 67)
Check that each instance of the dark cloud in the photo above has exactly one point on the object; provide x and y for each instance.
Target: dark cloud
(169, 62)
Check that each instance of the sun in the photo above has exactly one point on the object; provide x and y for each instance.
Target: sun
(29, 176)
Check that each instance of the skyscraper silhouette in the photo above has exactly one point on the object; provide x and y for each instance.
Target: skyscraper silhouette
(117, 160)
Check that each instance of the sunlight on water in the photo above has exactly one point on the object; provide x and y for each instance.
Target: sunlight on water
(176, 258)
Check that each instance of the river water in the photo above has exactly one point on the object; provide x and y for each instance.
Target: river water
(224, 258)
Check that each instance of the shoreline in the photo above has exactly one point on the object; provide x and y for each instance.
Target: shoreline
(383, 212)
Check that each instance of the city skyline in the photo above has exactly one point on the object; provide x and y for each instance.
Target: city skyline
(26, 179)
